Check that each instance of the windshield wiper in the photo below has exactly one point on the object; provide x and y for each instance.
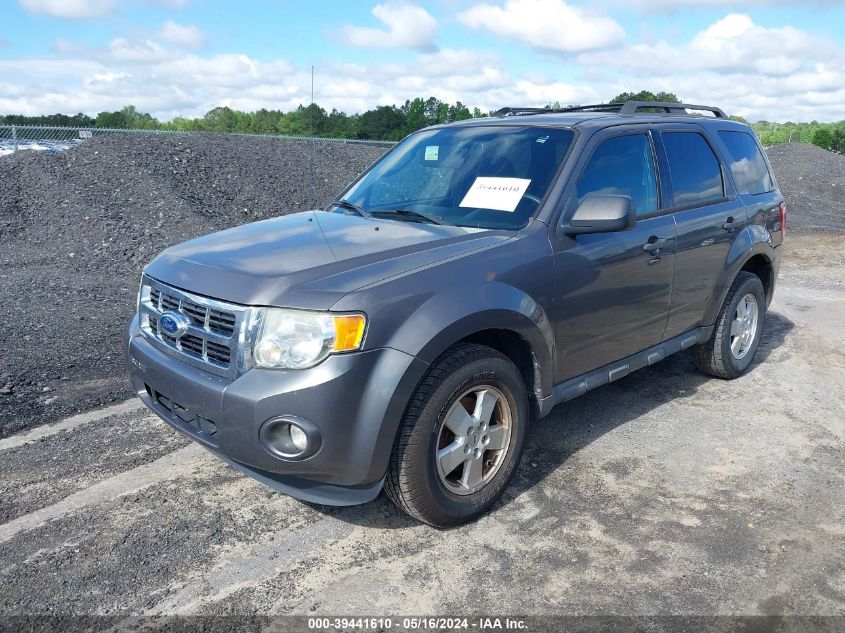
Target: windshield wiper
(345, 204)
(409, 214)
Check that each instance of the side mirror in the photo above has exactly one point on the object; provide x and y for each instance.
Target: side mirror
(602, 214)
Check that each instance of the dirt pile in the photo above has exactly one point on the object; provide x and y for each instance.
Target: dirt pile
(813, 182)
(77, 227)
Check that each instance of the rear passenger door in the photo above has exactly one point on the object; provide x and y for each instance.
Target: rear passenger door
(708, 218)
(613, 289)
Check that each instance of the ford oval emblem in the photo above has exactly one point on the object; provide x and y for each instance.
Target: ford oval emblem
(173, 324)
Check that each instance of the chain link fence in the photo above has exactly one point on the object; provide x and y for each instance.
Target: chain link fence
(15, 138)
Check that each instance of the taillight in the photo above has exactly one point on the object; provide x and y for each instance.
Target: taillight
(782, 208)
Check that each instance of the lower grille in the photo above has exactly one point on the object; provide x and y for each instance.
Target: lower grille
(203, 428)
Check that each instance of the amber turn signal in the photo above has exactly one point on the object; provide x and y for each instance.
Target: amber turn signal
(349, 331)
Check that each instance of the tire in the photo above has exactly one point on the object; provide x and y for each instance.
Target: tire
(456, 394)
(718, 355)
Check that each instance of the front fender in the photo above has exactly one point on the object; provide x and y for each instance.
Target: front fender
(507, 286)
(443, 319)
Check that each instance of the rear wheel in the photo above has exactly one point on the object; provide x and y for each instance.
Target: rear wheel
(461, 437)
(736, 336)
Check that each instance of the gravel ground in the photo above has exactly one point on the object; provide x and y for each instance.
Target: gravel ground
(76, 228)
(662, 493)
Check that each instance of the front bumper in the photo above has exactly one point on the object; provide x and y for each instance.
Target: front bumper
(356, 401)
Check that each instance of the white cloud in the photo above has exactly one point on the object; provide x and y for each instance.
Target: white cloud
(408, 26)
(672, 6)
(552, 25)
(734, 63)
(168, 83)
(69, 9)
(732, 44)
(123, 50)
(119, 51)
(182, 34)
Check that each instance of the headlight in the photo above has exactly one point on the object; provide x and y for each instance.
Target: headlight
(296, 339)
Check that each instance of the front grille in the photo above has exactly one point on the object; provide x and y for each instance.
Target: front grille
(212, 336)
(201, 316)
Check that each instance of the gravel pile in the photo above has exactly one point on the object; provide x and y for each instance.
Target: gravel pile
(813, 182)
(76, 228)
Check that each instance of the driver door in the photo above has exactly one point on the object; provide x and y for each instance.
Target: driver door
(613, 289)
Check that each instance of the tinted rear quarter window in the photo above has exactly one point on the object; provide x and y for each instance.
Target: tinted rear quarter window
(693, 169)
(748, 167)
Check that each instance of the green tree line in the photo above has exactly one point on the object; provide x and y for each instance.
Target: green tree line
(387, 122)
(827, 135)
(381, 123)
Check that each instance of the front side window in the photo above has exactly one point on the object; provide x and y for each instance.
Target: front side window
(622, 165)
(693, 169)
(490, 177)
(748, 167)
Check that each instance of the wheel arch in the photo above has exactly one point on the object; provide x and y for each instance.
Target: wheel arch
(759, 264)
(511, 333)
(749, 254)
(519, 351)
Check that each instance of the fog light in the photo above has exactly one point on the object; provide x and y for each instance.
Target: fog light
(290, 437)
(298, 437)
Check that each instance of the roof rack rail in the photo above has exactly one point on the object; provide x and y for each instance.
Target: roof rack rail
(596, 107)
(629, 107)
(507, 111)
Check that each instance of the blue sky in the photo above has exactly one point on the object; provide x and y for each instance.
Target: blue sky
(761, 59)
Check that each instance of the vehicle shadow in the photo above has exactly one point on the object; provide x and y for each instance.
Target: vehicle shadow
(574, 425)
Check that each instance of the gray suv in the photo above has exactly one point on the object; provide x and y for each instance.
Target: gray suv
(475, 276)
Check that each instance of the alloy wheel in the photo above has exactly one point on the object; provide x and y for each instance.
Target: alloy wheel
(473, 440)
(744, 326)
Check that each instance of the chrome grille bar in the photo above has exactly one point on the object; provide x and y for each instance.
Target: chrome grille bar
(217, 338)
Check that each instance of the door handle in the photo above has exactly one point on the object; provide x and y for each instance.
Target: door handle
(730, 223)
(654, 244)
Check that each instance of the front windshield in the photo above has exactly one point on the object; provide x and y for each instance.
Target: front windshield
(491, 177)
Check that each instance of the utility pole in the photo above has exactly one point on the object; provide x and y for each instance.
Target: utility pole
(313, 144)
(311, 109)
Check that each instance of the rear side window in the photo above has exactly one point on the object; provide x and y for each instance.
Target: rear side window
(693, 168)
(748, 166)
(622, 165)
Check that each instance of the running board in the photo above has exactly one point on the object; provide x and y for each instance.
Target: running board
(580, 385)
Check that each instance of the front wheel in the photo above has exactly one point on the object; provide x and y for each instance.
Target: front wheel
(736, 335)
(461, 437)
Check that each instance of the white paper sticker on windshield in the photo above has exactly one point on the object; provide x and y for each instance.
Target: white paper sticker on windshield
(432, 152)
(501, 194)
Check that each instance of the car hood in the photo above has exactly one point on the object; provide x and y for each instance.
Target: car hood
(309, 259)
